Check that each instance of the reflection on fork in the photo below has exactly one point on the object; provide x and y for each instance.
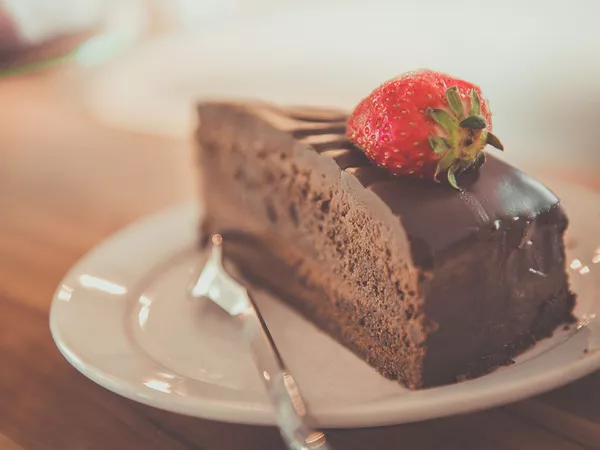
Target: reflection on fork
(294, 422)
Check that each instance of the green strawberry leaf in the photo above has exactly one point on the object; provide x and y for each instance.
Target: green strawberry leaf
(452, 178)
(444, 118)
(475, 122)
(494, 141)
(475, 103)
(444, 163)
(438, 145)
(455, 102)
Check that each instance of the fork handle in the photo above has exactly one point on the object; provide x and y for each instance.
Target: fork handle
(294, 422)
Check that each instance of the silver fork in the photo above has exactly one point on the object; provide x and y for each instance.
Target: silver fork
(293, 420)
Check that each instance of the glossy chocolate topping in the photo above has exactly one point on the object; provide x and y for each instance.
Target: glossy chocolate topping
(492, 197)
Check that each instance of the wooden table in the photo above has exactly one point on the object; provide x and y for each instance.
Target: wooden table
(67, 182)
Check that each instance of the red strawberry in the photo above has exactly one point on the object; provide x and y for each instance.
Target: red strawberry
(422, 124)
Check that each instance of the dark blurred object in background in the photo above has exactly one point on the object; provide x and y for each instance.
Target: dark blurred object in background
(9, 36)
(39, 33)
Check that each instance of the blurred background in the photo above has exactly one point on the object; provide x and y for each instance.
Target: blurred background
(96, 116)
(142, 63)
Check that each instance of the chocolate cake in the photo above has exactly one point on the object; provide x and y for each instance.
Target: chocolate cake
(426, 283)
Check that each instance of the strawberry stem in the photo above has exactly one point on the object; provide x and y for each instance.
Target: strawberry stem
(475, 122)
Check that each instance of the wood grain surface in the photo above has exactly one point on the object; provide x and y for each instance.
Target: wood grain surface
(67, 182)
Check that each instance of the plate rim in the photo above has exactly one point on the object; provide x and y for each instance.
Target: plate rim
(373, 413)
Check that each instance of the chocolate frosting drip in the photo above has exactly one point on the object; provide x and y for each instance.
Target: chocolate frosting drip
(493, 197)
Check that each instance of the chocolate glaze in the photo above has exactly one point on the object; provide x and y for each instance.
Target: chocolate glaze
(492, 196)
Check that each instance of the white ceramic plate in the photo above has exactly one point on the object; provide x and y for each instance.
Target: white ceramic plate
(123, 318)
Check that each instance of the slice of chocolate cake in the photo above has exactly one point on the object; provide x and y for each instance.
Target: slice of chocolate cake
(426, 283)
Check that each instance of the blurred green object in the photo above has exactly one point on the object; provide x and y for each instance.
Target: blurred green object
(90, 52)
(38, 65)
